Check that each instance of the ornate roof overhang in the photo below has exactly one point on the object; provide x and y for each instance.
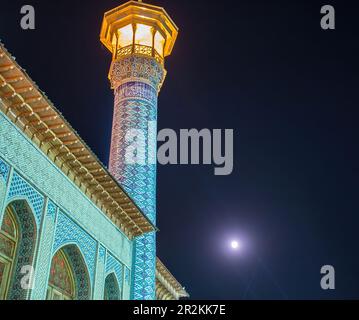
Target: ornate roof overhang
(31, 110)
(167, 287)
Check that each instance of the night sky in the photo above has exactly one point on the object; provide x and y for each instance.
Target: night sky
(289, 90)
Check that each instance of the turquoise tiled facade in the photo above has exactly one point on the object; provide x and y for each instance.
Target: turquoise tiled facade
(63, 217)
(86, 232)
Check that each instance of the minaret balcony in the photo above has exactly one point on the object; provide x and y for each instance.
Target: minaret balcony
(139, 50)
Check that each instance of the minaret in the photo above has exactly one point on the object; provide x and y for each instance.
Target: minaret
(139, 36)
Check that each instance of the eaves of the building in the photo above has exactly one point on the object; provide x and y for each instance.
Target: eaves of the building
(167, 286)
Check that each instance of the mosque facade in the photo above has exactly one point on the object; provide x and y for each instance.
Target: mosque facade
(71, 229)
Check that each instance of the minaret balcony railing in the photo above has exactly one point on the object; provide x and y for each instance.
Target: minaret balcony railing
(139, 50)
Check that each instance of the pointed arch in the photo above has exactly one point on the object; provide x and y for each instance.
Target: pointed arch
(18, 238)
(20, 189)
(69, 277)
(112, 289)
(8, 242)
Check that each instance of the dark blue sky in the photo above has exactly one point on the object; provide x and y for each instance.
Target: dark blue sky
(290, 92)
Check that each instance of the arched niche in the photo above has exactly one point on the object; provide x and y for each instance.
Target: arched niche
(69, 277)
(112, 289)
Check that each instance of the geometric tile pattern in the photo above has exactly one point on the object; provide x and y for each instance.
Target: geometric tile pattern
(26, 248)
(113, 265)
(78, 265)
(102, 254)
(18, 150)
(135, 110)
(4, 170)
(137, 68)
(44, 259)
(127, 275)
(19, 188)
(100, 273)
(51, 210)
(138, 179)
(68, 232)
(144, 267)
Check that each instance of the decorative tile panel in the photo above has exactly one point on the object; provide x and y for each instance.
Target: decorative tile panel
(127, 275)
(4, 170)
(45, 254)
(19, 188)
(136, 109)
(68, 232)
(51, 210)
(26, 249)
(102, 254)
(141, 69)
(18, 151)
(113, 265)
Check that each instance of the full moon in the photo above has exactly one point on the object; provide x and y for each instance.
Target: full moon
(235, 245)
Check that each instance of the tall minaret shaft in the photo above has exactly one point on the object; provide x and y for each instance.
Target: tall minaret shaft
(136, 83)
(139, 37)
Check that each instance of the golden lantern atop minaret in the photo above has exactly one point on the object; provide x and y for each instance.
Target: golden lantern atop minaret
(137, 28)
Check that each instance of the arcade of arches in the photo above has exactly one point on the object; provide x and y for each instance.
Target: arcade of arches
(68, 279)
